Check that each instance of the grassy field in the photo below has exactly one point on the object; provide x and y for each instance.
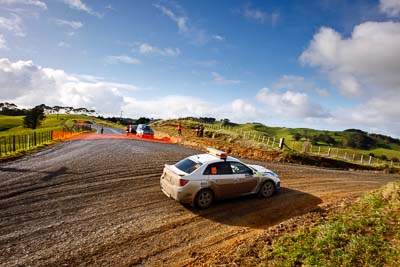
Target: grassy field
(367, 234)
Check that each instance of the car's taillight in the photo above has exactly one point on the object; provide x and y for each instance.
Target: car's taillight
(183, 182)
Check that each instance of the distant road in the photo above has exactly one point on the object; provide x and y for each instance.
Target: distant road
(108, 130)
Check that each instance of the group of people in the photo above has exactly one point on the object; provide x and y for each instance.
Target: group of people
(199, 130)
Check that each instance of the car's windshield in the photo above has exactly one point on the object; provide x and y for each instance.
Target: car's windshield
(187, 165)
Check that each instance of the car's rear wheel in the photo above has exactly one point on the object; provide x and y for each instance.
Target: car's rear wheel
(267, 189)
(204, 198)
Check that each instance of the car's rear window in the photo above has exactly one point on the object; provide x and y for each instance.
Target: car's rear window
(187, 165)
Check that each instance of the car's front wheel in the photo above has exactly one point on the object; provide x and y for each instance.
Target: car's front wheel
(204, 198)
(267, 189)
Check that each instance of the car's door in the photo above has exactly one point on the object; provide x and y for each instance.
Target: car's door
(222, 180)
(246, 181)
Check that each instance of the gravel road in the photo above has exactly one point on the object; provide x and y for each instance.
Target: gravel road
(98, 202)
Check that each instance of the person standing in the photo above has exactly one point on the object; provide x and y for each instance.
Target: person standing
(198, 130)
(101, 130)
(201, 131)
(180, 127)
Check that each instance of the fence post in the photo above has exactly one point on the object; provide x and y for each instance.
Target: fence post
(354, 157)
(391, 163)
(263, 139)
(319, 150)
(34, 139)
(13, 143)
(28, 141)
(273, 143)
(370, 159)
(362, 157)
(345, 156)
(329, 152)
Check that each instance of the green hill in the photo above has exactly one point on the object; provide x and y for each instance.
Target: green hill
(345, 143)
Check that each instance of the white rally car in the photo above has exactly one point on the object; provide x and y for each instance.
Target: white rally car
(201, 179)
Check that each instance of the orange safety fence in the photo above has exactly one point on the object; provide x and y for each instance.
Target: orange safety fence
(64, 135)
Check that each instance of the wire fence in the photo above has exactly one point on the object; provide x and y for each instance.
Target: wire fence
(278, 143)
(14, 143)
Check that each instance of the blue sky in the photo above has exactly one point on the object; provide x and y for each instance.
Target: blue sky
(319, 64)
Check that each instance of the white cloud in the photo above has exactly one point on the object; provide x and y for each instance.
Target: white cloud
(175, 106)
(290, 104)
(70, 23)
(110, 7)
(79, 5)
(367, 63)
(28, 84)
(149, 49)
(180, 20)
(3, 44)
(298, 83)
(218, 37)
(218, 79)
(377, 115)
(390, 7)
(258, 15)
(63, 44)
(196, 35)
(36, 3)
(123, 59)
(13, 24)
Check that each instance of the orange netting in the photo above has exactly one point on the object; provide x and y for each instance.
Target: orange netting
(61, 135)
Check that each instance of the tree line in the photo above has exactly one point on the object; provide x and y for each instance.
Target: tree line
(353, 138)
(34, 116)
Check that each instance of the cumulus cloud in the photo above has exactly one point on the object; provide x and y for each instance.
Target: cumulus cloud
(150, 49)
(219, 79)
(79, 5)
(298, 83)
(123, 59)
(362, 64)
(13, 25)
(175, 106)
(390, 7)
(36, 3)
(377, 115)
(70, 23)
(365, 65)
(291, 104)
(28, 84)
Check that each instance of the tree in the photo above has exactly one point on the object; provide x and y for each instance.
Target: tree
(297, 136)
(143, 120)
(34, 117)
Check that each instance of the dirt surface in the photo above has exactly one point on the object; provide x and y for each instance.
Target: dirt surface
(98, 202)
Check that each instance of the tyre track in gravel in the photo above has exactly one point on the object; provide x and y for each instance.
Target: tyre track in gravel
(98, 202)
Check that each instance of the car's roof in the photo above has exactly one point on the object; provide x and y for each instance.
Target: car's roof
(208, 158)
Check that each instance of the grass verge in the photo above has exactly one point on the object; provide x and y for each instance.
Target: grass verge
(366, 234)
